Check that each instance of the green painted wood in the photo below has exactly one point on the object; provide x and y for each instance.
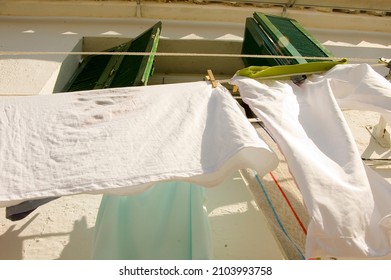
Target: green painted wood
(135, 70)
(281, 33)
(274, 35)
(150, 62)
(111, 68)
(257, 42)
(110, 71)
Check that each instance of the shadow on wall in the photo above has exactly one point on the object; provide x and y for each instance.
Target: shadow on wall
(11, 241)
(80, 242)
(239, 229)
(15, 245)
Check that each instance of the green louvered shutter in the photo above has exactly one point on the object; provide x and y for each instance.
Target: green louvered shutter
(274, 35)
(110, 71)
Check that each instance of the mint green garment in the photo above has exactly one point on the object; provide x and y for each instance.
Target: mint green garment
(278, 71)
(167, 221)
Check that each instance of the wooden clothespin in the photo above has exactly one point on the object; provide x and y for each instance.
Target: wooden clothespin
(210, 77)
(387, 63)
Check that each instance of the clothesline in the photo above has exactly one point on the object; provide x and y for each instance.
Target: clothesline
(130, 119)
(180, 54)
(276, 77)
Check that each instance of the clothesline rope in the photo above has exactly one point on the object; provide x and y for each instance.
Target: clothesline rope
(351, 59)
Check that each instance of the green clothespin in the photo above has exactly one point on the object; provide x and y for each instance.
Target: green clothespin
(287, 71)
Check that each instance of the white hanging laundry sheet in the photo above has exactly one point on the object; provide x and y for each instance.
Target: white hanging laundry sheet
(348, 203)
(122, 140)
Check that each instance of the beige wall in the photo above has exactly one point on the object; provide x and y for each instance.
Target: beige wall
(44, 74)
(37, 73)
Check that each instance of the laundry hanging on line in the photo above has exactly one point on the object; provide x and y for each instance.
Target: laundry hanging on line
(120, 141)
(348, 203)
(166, 221)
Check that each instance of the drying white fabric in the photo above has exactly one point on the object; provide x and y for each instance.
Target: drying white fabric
(359, 87)
(349, 204)
(120, 141)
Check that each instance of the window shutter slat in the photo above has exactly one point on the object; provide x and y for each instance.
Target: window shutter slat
(274, 35)
(110, 71)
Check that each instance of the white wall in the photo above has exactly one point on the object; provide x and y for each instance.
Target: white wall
(38, 74)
